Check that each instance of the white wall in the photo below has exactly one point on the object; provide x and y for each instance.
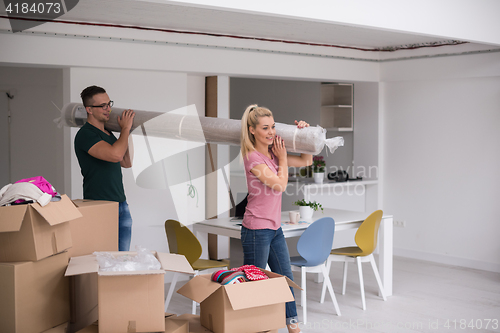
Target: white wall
(35, 142)
(441, 157)
(366, 131)
(149, 91)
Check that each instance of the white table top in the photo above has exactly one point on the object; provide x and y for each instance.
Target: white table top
(343, 220)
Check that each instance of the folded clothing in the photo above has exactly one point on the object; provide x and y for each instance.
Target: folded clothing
(12, 193)
(252, 272)
(239, 274)
(228, 277)
(44, 186)
(41, 183)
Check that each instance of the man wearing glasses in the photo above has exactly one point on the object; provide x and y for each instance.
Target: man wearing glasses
(101, 156)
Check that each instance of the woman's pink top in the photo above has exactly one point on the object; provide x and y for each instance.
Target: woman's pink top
(264, 204)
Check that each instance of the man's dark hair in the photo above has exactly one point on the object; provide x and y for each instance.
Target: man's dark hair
(90, 92)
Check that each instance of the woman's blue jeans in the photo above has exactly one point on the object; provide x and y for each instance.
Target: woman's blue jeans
(124, 227)
(267, 246)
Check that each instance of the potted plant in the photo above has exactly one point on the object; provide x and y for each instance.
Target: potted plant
(307, 209)
(319, 169)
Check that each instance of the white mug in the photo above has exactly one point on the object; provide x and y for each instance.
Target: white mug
(294, 216)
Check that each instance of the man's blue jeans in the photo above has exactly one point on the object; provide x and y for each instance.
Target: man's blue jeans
(124, 227)
(263, 246)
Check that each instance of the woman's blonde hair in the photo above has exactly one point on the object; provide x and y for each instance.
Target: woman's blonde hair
(251, 118)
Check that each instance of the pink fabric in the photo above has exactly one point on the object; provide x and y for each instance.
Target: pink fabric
(263, 210)
(41, 183)
(252, 272)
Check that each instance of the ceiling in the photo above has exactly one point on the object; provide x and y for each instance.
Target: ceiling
(238, 24)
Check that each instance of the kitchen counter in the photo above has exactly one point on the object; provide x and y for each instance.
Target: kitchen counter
(356, 195)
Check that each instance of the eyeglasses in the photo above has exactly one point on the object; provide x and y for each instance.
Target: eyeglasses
(103, 106)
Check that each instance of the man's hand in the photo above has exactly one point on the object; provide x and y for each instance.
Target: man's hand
(126, 120)
(118, 151)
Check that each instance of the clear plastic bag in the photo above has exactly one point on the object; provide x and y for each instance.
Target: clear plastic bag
(185, 124)
(144, 260)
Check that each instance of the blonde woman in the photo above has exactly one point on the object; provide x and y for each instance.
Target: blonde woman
(266, 167)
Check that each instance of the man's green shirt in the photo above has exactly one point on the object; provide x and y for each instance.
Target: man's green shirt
(102, 180)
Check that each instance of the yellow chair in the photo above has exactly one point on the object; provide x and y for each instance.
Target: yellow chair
(181, 240)
(366, 239)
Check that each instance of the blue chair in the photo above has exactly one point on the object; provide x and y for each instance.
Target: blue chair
(314, 247)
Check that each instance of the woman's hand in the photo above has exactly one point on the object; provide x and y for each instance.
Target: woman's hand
(304, 159)
(279, 148)
(301, 124)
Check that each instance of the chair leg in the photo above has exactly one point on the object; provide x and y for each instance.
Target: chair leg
(377, 277)
(344, 279)
(361, 283)
(193, 308)
(303, 294)
(194, 304)
(330, 289)
(171, 290)
(323, 289)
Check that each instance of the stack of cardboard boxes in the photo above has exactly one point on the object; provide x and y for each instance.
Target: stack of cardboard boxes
(41, 292)
(36, 244)
(33, 241)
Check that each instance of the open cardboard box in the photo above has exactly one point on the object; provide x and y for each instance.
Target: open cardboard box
(96, 230)
(130, 301)
(186, 323)
(175, 325)
(31, 232)
(247, 307)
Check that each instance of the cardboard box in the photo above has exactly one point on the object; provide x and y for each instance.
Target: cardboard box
(130, 301)
(92, 328)
(34, 295)
(175, 325)
(194, 323)
(32, 232)
(58, 329)
(96, 230)
(63, 328)
(171, 326)
(244, 307)
(186, 323)
(83, 301)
